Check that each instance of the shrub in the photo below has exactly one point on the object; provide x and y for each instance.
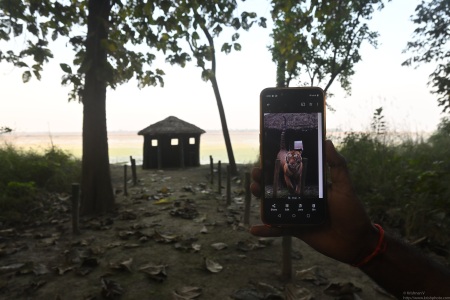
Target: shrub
(54, 170)
(404, 182)
(25, 173)
(20, 189)
(17, 202)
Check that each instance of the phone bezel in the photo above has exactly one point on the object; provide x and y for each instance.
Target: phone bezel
(280, 92)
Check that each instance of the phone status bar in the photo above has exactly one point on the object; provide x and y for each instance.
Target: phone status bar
(277, 95)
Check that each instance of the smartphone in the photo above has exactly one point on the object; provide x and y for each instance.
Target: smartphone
(292, 148)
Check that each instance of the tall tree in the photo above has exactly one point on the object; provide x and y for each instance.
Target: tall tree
(431, 44)
(208, 18)
(106, 56)
(319, 39)
(96, 178)
(317, 42)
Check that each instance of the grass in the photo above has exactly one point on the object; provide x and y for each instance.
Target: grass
(24, 174)
(404, 183)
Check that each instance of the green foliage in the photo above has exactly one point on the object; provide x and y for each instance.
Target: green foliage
(203, 21)
(54, 170)
(5, 130)
(20, 189)
(132, 24)
(320, 39)
(441, 138)
(431, 44)
(17, 201)
(41, 19)
(378, 124)
(404, 183)
(26, 173)
(158, 25)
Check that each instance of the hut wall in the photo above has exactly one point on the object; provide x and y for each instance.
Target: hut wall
(183, 154)
(192, 151)
(150, 157)
(170, 153)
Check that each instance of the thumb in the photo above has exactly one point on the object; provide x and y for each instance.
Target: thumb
(338, 165)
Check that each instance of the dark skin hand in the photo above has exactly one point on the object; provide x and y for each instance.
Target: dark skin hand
(349, 234)
(349, 237)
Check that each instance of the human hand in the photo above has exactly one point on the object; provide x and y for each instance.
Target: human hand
(348, 235)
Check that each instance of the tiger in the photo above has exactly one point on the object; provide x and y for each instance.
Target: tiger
(291, 164)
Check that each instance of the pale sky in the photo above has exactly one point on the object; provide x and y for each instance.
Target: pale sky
(380, 80)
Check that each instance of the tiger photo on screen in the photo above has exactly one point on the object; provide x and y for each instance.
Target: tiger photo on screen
(291, 164)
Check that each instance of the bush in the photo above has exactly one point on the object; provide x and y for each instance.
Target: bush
(404, 182)
(17, 201)
(20, 189)
(25, 173)
(54, 170)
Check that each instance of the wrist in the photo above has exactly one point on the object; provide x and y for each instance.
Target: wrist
(374, 245)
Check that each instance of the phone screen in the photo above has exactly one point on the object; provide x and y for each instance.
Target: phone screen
(292, 156)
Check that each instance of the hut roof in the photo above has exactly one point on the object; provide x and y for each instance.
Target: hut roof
(169, 126)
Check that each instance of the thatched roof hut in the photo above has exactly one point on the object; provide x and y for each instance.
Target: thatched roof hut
(171, 143)
(169, 126)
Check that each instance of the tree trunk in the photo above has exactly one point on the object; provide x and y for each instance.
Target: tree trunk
(213, 79)
(281, 73)
(97, 192)
(223, 120)
(286, 265)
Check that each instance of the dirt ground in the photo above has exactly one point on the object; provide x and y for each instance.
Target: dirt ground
(172, 237)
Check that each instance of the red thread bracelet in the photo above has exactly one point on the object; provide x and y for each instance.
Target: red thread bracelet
(381, 248)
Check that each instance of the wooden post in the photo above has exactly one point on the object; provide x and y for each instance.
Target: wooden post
(133, 170)
(75, 208)
(248, 198)
(286, 265)
(228, 185)
(286, 270)
(219, 177)
(211, 167)
(125, 190)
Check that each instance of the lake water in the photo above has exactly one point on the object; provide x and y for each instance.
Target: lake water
(122, 145)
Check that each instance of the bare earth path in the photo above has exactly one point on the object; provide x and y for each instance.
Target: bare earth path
(172, 237)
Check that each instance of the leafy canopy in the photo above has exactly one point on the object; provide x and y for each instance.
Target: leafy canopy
(321, 39)
(137, 30)
(431, 43)
(131, 25)
(205, 20)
